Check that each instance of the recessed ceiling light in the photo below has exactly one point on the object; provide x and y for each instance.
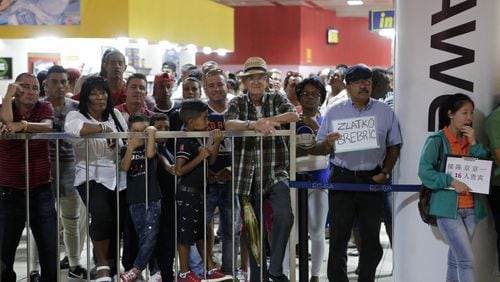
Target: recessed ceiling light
(354, 2)
(221, 52)
(207, 50)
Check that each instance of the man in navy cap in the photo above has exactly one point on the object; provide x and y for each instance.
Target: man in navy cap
(358, 165)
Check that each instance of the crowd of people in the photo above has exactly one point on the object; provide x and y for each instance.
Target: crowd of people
(164, 193)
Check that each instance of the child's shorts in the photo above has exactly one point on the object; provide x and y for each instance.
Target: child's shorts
(190, 217)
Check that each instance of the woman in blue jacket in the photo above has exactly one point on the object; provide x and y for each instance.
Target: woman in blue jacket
(456, 208)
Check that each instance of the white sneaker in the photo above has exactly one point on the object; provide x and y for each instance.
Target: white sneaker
(155, 278)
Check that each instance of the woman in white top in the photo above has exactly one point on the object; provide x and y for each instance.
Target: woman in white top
(96, 115)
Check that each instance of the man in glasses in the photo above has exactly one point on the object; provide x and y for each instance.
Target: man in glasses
(21, 112)
(263, 112)
(359, 165)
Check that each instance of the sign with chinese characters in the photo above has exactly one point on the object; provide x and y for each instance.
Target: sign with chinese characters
(474, 172)
(356, 134)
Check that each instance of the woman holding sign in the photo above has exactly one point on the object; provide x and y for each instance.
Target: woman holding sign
(456, 208)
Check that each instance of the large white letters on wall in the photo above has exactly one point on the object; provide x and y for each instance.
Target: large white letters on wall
(443, 47)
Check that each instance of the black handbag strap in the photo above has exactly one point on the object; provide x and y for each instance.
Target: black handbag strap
(118, 125)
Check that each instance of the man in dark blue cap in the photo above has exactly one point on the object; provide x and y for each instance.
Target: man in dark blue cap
(362, 165)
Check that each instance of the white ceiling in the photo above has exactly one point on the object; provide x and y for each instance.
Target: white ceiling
(340, 6)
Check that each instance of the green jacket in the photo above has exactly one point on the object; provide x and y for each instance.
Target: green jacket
(444, 202)
(491, 127)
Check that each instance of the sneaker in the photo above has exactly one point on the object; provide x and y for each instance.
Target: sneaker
(188, 277)
(242, 275)
(77, 273)
(353, 253)
(217, 275)
(35, 276)
(128, 276)
(64, 263)
(155, 278)
(281, 278)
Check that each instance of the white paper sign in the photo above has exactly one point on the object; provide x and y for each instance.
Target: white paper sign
(356, 134)
(471, 171)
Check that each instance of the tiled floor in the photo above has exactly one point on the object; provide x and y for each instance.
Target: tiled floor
(384, 270)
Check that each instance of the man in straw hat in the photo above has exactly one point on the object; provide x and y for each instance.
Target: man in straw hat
(262, 173)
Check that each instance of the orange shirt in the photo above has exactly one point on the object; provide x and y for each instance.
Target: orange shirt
(461, 148)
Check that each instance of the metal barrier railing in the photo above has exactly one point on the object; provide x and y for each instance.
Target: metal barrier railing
(168, 135)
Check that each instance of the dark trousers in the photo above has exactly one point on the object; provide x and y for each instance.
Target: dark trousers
(494, 199)
(282, 221)
(165, 244)
(102, 208)
(345, 207)
(43, 224)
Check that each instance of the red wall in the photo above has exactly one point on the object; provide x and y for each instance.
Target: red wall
(281, 35)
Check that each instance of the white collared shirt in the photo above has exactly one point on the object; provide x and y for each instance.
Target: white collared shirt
(102, 160)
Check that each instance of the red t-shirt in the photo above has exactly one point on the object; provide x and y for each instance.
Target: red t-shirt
(12, 159)
(144, 110)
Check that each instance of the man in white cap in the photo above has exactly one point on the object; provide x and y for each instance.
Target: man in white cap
(263, 112)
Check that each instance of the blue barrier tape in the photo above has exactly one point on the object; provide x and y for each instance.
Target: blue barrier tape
(355, 187)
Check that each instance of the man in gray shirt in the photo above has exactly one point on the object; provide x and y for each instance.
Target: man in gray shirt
(364, 166)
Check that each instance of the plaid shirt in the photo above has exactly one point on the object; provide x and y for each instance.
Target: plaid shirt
(247, 154)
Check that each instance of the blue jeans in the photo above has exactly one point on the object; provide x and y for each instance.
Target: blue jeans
(458, 234)
(43, 224)
(195, 261)
(146, 223)
(219, 195)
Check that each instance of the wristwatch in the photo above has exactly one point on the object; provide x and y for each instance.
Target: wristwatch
(386, 173)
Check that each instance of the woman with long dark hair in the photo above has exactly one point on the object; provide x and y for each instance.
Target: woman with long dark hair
(96, 115)
(457, 209)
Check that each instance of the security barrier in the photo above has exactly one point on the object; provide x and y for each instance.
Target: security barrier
(117, 136)
(303, 261)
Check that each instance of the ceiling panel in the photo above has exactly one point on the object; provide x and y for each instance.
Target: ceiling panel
(340, 6)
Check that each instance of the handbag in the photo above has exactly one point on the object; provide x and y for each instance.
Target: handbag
(424, 197)
(424, 204)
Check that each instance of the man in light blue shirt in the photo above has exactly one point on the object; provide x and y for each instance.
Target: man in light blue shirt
(368, 166)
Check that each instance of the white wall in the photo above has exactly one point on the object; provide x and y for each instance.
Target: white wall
(420, 253)
(79, 53)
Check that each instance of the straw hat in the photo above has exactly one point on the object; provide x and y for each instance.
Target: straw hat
(254, 65)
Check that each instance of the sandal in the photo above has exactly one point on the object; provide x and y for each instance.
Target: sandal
(103, 278)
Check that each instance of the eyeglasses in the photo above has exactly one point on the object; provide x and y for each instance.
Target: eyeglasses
(310, 94)
(257, 78)
(359, 82)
